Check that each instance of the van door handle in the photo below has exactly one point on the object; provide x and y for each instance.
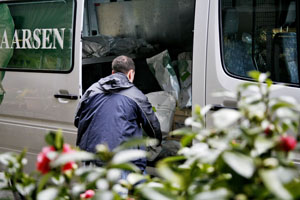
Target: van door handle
(66, 96)
(217, 107)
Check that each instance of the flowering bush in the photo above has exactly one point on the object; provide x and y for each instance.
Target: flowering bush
(59, 177)
(246, 154)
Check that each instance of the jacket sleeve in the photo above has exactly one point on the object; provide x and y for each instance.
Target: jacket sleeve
(150, 122)
(94, 89)
(148, 118)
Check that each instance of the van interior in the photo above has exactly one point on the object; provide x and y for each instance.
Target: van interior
(140, 29)
(144, 30)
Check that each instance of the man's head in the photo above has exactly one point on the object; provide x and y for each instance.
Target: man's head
(124, 65)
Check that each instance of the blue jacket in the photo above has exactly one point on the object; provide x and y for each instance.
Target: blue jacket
(111, 111)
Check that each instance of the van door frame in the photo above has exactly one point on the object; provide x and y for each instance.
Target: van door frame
(200, 53)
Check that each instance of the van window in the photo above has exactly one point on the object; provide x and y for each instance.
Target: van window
(38, 34)
(260, 35)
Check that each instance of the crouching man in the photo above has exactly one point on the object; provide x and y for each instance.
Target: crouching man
(113, 110)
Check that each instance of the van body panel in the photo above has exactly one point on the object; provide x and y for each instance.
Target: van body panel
(30, 108)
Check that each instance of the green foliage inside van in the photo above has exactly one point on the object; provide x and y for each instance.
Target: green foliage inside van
(6, 24)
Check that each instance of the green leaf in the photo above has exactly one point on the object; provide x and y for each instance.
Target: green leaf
(128, 155)
(3, 182)
(50, 138)
(119, 191)
(166, 172)
(154, 109)
(126, 166)
(286, 175)
(269, 82)
(22, 155)
(253, 99)
(187, 139)
(85, 170)
(225, 118)
(273, 183)
(254, 74)
(197, 110)
(48, 194)
(72, 156)
(244, 86)
(240, 163)
(8, 158)
(218, 143)
(288, 99)
(293, 188)
(281, 104)
(134, 178)
(103, 152)
(59, 141)
(25, 190)
(136, 142)
(157, 194)
(183, 131)
(286, 113)
(172, 159)
(262, 144)
(295, 125)
(55, 139)
(44, 180)
(219, 194)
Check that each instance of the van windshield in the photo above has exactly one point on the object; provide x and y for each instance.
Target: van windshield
(260, 35)
(37, 35)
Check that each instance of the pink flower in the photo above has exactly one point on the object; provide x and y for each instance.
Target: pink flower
(67, 148)
(43, 162)
(70, 165)
(88, 194)
(287, 143)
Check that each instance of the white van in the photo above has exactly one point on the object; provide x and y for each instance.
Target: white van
(51, 51)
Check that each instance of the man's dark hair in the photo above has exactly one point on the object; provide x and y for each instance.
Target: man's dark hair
(123, 64)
